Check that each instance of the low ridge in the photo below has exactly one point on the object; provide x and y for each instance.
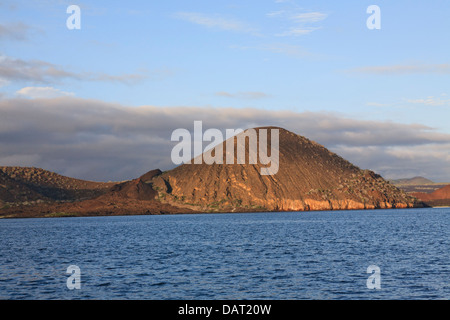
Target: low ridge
(25, 185)
(440, 197)
(413, 181)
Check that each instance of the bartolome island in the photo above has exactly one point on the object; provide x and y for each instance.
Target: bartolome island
(309, 178)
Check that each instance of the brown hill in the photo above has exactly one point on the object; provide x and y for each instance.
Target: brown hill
(13, 191)
(417, 185)
(132, 197)
(440, 197)
(309, 178)
(137, 189)
(427, 188)
(412, 181)
(20, 185)
(127, 198)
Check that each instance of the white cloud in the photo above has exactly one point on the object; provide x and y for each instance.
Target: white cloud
(441, 101)
(299, 23)
(376, 104)
(216, 21)
(430, 160)
(251, 95)
(281, 48)
(105, 141)
(430, 101)
(296, 22)
(42, 92)
(297, 31)
(443, 69)
(39, 71)
(275, 13)
(309, 17)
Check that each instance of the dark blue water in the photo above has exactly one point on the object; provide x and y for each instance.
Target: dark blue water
(314, 255)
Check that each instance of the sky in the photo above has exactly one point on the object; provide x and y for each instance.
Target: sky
(75, 101)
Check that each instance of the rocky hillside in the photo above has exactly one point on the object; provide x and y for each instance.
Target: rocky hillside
(310, 177)
(440, 197)
(19, 185)
(128, 198)
(68, 197)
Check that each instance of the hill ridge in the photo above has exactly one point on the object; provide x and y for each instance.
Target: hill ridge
(310, 177)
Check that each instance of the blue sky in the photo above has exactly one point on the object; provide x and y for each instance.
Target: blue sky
(300, 56)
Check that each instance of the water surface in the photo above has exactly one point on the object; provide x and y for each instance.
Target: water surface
(309, 255)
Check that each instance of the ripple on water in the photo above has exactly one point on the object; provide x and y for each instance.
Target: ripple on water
(321, 255)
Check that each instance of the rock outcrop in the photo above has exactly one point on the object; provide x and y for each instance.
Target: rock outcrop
(310, 177)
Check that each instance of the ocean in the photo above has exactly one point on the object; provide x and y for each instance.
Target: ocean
(251, 256)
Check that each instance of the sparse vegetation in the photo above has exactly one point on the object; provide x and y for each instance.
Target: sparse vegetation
(59, 215)
(311, 178)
